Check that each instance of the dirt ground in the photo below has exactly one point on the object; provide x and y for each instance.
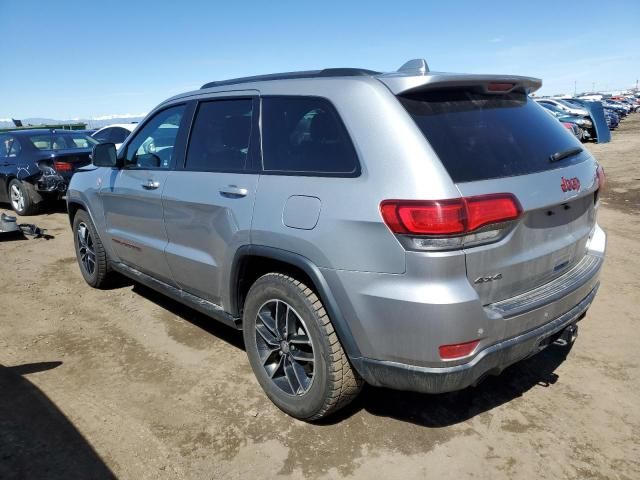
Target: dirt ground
(125, 383)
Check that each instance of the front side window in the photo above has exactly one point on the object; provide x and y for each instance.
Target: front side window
(220, 136)
(153, 146)
(305, 135)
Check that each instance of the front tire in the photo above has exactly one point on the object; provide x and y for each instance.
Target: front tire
(294, 350)
(20, 198)
(91, 255)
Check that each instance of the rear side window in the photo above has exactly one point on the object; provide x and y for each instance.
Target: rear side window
(62, 141)
(220, 136)
(480, 136)
(305, 135)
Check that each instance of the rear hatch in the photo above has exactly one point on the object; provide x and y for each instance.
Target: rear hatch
(497, 140)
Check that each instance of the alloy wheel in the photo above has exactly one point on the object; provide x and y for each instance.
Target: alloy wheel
(85, 248)
(17, 197)
(284, 347)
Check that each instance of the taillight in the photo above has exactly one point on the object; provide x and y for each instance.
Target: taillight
(458, 350)
(453, 223)
(63, 166)
(448, 217)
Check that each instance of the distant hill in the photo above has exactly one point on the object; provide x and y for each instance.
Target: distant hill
(96, 122)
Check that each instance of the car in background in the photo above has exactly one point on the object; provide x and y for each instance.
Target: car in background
(566, 107)
(573, 128)
(584, 125)
(116, 133)
(610, 116)
(37, 164)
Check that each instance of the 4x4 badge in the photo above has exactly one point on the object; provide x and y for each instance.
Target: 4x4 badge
(488, 278)
(568, 184)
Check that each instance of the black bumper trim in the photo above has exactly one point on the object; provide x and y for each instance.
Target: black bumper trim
(491, 360)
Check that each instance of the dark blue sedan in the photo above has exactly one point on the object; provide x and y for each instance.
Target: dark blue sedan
(37, 164)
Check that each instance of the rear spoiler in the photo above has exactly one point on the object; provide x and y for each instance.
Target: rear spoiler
(400, 83)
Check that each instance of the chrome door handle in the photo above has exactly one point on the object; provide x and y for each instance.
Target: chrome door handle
(150, 185)
(233, 191)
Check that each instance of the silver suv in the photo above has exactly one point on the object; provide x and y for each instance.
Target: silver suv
(413, 230)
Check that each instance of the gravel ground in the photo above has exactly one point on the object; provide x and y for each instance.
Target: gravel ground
(125, 383)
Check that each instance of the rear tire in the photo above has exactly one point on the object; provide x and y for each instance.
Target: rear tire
(92, 257)
(296, 356)
(21, 200)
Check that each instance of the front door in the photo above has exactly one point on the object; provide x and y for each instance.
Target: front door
(208, 204)
(132, 196)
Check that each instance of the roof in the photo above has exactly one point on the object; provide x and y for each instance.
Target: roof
(412, 75)
(41, 131)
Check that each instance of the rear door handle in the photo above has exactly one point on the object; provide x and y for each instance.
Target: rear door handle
(233, 191)
(150, 185)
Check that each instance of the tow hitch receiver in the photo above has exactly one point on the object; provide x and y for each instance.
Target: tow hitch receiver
(568, 336)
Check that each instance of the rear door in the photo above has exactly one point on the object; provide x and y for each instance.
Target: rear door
(505, 143)
(208, 201)
(132, 195)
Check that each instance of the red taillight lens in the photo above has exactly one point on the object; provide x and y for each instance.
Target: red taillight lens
(489, 209)
(448, 217)
(458, 350)
(602, 179)
(444, 217)
(63, 166)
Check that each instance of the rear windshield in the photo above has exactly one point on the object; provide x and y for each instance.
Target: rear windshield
(479, 136)
(62, 141)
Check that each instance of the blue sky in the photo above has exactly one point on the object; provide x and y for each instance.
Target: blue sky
(85, 59)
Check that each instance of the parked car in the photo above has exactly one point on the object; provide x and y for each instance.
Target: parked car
(585, 126)
(566, 107)
(573, 128)
(413, 230)
(37, 164)
(116, 133)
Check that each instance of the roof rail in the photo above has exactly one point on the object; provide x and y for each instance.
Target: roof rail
(327, 72)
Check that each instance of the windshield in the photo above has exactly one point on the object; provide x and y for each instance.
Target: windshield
(479, 136)
(62, 141)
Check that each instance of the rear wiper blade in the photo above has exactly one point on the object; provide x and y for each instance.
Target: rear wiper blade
(556, 157)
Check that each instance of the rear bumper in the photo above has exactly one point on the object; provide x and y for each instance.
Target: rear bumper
(490, 361)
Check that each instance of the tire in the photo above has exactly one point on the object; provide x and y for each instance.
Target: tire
(21, 199)
(90, 253)
(333, 383)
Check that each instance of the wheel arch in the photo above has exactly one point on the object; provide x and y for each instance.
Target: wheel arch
(253, 261)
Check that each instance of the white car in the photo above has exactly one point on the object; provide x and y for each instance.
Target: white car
(564, 106)
(116, 133)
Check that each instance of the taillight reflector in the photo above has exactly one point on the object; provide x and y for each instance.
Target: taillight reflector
(63, 166)
(448, 217)
(458, 350)
(602, 179)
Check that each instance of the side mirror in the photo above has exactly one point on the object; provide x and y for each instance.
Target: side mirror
(105, 155)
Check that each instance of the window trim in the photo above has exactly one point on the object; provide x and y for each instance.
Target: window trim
(179, 147)
(357, 172)
(254, 135)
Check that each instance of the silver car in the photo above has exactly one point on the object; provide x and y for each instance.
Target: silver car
(412, 230)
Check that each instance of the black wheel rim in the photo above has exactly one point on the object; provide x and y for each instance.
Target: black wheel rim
(85, 248)
(284, 347)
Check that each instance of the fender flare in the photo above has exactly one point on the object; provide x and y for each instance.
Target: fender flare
(342, 329)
